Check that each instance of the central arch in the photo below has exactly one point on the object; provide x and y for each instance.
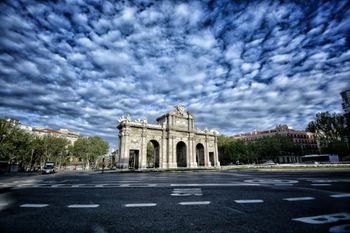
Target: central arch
(181, 154)
(152, 154)
(200, 154)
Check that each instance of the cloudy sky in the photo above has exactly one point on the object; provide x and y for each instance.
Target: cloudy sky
(237, 66)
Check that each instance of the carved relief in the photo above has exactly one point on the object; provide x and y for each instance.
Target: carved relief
(181, 122)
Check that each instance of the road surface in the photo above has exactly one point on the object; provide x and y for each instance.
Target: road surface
(190, 201)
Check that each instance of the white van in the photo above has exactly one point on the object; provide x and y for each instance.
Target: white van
(48, 168)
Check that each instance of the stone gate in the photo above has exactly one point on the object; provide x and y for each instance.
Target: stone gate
(176, 142)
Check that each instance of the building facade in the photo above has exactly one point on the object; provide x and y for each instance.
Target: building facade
(62, 133)
(176, 142)
(305, 140)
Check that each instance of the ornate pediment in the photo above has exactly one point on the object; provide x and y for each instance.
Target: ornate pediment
(179, 110)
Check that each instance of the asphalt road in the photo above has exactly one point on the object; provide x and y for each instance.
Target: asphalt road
(200, 201)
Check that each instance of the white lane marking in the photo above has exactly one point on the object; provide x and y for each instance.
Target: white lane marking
(272, 181)
(76, 186)
(187, 192)
(340, 229)
(340, 195)
(56, 185)
(249, 201)
(195, 203)
(229, 184)
(33, 205)
(140, 205)
(152, 185)
(127, 181)
(84, 206)
(23, 185)
(124, 185)
(283, 184)
(323, 219)
(320, 184)
(298, 198)
(3, 204)
(99, 185)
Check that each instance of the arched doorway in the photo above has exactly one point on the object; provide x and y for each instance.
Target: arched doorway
(181, 154)
(200, 154)
(152, 154)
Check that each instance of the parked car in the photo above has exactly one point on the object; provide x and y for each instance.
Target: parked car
(269, 162)
(48, 168)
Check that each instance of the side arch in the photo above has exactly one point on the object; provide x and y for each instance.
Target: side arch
(152, 155)
(181, 155)
(200, 154)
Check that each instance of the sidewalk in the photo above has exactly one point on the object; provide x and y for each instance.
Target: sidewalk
(9, 177)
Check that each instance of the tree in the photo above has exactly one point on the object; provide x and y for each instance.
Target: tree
(97, 148)
(327, 127)
(88, 149)
(330, 131)
(232, 150)
(14, 143)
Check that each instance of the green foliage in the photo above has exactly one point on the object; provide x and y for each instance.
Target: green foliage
(88, 149)
(233, 151)
(331, 132)
(15, 144)
(31, 151)
(328, 127)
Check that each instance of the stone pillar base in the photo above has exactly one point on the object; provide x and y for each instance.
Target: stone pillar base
(172, 165)
(193, 165)
(123, 165)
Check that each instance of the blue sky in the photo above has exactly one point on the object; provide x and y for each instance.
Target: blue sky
(237, 66)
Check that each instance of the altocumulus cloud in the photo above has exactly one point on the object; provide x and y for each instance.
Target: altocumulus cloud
(237, 66)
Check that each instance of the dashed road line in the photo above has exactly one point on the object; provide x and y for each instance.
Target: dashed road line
(215, 185)
(83, 206)
(298, 198)
(195, 203)
(283, 184)
(249, 201)
(187, 192)
(340, 195)
(33, 205)
(140, 205)
(320, 184)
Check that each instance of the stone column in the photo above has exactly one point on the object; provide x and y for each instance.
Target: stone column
(171, 152)
(206, 152)
(143, 152)
(216, 153)
(163, 155)
(188, 152)
(192, 149)
(124, 148)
